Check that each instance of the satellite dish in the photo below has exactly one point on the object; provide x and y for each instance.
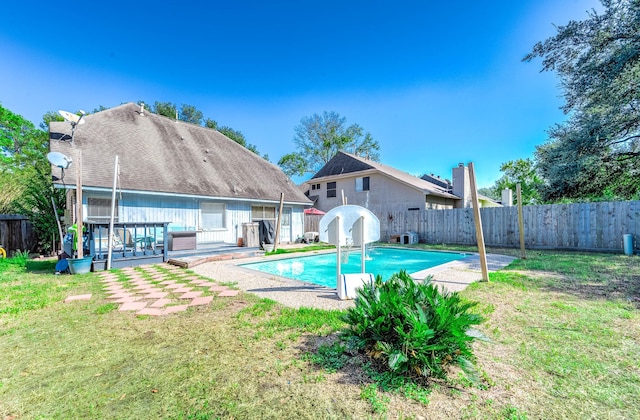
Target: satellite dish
(59, 159)
(73, 119)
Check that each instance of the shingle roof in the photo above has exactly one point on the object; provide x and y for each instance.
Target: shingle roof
(344, 163)
(158, 154)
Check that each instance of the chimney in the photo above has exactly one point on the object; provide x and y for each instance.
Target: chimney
(507, 197)
(142, 109)
(462, 186)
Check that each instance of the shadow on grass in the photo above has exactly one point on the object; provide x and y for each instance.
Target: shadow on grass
(46, 266)
(347, 367)
(613, 288)
(592, 276)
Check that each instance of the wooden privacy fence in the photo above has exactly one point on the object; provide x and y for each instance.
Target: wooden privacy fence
(16, 233)
(585, 226)
(312, 222)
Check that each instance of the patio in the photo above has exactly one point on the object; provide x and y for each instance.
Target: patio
(453, 276)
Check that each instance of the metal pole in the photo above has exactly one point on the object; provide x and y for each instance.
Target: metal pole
(113, 211)
(55, 212)
(79, 204)
(338, 252)
(362, 245)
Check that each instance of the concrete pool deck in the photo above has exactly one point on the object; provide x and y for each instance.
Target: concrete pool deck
(453, 276)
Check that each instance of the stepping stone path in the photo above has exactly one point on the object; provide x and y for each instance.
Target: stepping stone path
(146, 290)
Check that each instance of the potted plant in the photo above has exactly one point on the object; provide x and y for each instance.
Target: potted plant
(80, 264)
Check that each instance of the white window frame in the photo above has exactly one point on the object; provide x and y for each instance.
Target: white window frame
(213, 216)
(99, 209)
(258, 213)
(360, 184)
(287, 212)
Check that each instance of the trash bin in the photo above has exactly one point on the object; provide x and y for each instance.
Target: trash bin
(250, 232)
(627, 244)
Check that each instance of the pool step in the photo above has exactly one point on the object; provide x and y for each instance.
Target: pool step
(194, 260)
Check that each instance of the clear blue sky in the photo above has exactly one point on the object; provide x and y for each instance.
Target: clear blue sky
(436, 83)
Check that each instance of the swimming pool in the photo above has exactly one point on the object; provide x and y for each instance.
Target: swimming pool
(321, 269)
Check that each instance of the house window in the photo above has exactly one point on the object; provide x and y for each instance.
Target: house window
(212, 216)
(331, 189)
(286, 218)
(315, 186)
(263, 213)
(362, 184)
(99, 209)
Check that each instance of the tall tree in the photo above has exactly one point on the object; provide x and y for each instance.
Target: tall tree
(48, 117)
(597, 150)
(319, 137)
(27, 173)
(190, 114)
(21, 143)
(523, 172)
(209, 123)
(167, 109)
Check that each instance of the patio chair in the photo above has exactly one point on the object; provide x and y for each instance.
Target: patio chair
(119, 238)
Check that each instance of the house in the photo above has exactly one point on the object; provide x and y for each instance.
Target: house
(382, 188)
(461, 187)
(193, 177)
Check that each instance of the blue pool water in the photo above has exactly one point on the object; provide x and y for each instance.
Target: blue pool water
(321, 269)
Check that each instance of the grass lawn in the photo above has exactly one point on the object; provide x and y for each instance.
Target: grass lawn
(565, 330)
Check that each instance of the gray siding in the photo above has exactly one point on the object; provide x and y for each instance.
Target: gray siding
(383, 191)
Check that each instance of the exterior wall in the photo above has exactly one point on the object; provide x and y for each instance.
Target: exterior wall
(385, 195)
(185, 213)
(382, 190)
(439, 203)
(487, 203)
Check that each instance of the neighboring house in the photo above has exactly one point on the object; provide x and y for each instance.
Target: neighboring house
(171, 171)
(382, 188)
(461, 187)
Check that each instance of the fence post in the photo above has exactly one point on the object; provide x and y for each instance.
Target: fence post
(478, 222)
(520, 221)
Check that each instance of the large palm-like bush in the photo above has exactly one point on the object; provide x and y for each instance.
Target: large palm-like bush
(416, 328)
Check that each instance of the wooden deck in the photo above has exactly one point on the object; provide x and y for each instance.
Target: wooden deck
(143, 244)
(211, 252)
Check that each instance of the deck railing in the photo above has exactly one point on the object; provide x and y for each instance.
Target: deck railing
(133, 243)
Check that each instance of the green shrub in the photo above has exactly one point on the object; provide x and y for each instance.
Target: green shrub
(415, 328)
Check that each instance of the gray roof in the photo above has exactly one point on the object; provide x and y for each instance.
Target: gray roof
(345, 163)
(158, 154)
